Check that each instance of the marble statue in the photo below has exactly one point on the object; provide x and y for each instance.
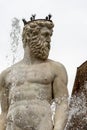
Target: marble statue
(29, 86)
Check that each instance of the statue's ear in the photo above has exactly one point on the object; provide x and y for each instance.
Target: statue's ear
(24, 21)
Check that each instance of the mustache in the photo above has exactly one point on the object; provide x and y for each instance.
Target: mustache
(47, 44)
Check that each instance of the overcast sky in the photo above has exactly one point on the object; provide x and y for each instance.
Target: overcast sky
(69, 40)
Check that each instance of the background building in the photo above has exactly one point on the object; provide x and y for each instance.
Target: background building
(78, 102)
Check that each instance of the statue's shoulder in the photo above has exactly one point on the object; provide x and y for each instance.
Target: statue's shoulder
(5, 72)
(58, 67)
(59, 70)
(56, 64)
(3, 75)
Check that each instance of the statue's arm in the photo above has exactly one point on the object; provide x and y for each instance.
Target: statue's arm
(0, 86)
(61, 98)
(2, 114)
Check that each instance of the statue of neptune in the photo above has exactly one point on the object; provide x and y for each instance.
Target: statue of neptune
(29, 86)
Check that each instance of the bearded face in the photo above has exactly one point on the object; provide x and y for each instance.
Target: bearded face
(40, 48)
(38, 38)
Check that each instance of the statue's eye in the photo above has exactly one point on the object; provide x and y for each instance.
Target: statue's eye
(46, 34)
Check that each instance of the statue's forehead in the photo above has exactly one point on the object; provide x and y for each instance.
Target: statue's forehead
(46, 29)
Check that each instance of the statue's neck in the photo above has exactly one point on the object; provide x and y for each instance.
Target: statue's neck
(30, 59)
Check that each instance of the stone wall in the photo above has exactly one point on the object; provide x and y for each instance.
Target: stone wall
(81, 78)
(78, 102)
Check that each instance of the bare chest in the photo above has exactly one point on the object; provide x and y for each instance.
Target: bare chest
(32, 74)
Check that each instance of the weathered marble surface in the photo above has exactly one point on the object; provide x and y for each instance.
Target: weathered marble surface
(29, 86)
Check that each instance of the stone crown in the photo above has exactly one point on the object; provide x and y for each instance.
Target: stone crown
(32, 19)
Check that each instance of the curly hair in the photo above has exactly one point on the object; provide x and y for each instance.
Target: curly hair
(31, 30)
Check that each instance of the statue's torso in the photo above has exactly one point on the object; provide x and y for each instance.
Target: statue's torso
(27, 94)
(30, 93)
(29, 83)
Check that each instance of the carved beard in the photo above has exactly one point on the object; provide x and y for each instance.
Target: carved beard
(40, 49)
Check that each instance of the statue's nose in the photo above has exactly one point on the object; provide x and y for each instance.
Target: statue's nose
(48, 39)
(47, 44)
